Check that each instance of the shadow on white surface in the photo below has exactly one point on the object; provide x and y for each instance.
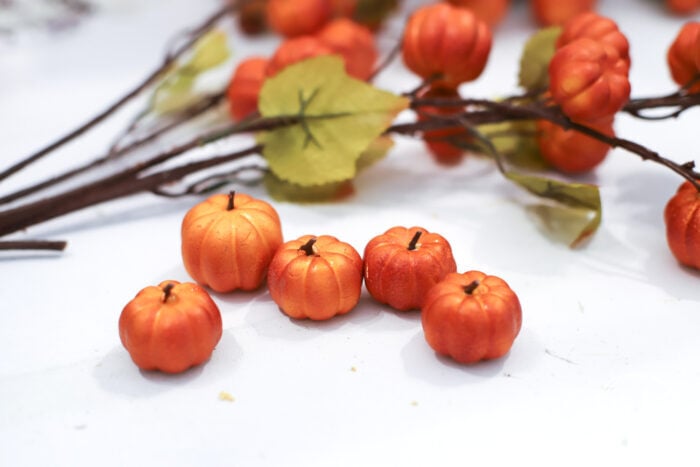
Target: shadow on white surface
(116, 373)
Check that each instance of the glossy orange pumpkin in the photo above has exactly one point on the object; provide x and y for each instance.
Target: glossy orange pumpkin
(557, 12)
(570, 151)
(683, 56)
(446, 44)
(228, 241)
(402, 264)
(490, 11)
(171, 327)
(682, 216)
(296, 50)
(471, 317)
(599, 28)
(293, 18)
(588, 80)
(245, 85)
(354, 42)
(315, 277)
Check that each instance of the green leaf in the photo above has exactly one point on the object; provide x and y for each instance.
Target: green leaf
(577, 213)
(335, 119)
(534, 61)
(516, 141)
(175, 92)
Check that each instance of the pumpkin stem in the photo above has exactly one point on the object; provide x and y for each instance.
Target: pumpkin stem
(167, 290)
(231, 195)
(414, 241)
(308, 247)
(470, 288)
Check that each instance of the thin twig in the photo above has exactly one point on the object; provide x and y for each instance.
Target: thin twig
(49, 245)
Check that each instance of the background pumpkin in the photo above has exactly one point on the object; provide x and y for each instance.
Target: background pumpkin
(682, 216)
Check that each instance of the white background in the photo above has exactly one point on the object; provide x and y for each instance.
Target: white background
(604, 370)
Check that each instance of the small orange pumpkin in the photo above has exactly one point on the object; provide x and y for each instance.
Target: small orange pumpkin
(293, 18)
(440, 142)
(296, 50)
(599, 28)
(446, 44)
(491, 11)
(402, 264)
(682, 216)
(683, 56)
(354, 42)
(245, 85)
(471, 317)
(315, 277)
(228, 241)
(171, 327)
(570, 151)
(557, 12)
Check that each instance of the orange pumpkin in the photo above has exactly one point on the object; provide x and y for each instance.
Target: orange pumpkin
(471, 317)
(588, 80)
(682, 217)
(315, 277)
(292, 18)
(683, 56)
(245, 85)
(296, 50)
(171, 327)
(570, 151)
(491, 11)
(354, 42)
(228, 241)
(402, 264)
(556, 12)
(596, 27)
(446, 44)
(439, 142)
(683, 7)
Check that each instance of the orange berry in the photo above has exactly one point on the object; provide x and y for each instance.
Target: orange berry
(570, 151)
(554, 12)
(295, 50)
(244, 87)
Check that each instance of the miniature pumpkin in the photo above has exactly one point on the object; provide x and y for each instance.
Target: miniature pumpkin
(228, 241)
(296, 50)
(471, 317)
(557, 12)
(490, 11)
(170, 327)
(245, 85)
(599, 28)
(682, 216)
(292, 18)
(441, 142)
(683, 56)
(569, 150)
(402, 264)
(315, 277)
(588, 80)
(446, 44)
(354, 42)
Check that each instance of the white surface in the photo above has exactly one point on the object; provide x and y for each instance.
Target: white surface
(605, 369)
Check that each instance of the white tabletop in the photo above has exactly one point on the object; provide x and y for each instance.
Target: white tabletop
(604, 370)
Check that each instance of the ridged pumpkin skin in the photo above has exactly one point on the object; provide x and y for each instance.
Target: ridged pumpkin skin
(569, 150)
(683, 55)
(400, 274)
(315, 277)
(448, 42)
(682, 216)
(354, 42)
(171, 327)
(599, 28)
(293, 18)
(228, 249)
(471, 321)
(588, 80)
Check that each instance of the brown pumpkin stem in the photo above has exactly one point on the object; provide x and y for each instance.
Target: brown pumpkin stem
(167, 290)
(470, 288)
(308, 247)
(231, 196)
(414, 241)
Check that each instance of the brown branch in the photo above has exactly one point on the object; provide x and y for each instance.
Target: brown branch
(33, 245)
(148, 81)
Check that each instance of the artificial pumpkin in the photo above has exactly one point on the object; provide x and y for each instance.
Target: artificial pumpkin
(354, 42)
(228, 241)
(471, 317)
(491, 11)
(245, 85)
(296, 50)
(570, 151)
(402, 264)
(293, 18)
(170, 327)
(557, 12)
(315, 277)
(588, 80)
(444, 144)
(599, 28)
(682, 216)
(683, 56)
(446, 45)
